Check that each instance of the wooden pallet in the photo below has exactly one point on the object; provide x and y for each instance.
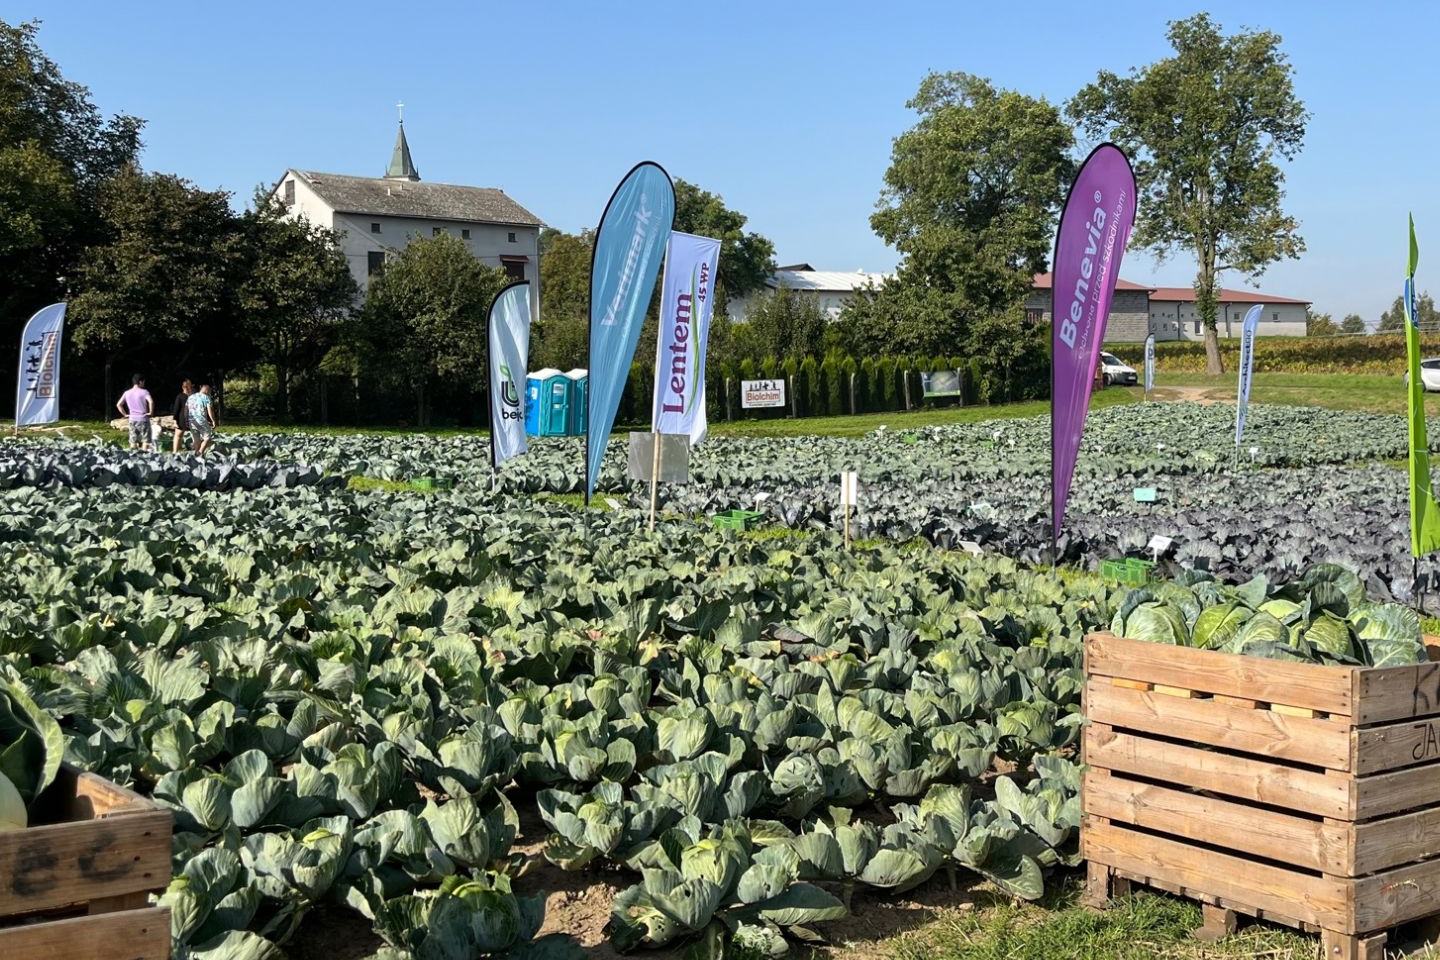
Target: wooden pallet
(1292, 792)
(78, 887)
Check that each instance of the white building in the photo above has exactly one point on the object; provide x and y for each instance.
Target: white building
(1173, 315)
(376, 217)
(833, 289)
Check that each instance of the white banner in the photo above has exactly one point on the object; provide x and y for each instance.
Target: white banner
(509, 354)
(686, 304)
(1149, 365)
(1247, 364)
(37, 388)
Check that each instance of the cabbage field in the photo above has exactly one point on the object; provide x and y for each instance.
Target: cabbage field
(406, 710)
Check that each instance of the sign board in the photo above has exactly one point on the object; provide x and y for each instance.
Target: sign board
(674, 457)
(1144, 494)
(940, 383)
(756, 394)
(849, 489)
(614, 504)
(1159, 545)
(970, 547)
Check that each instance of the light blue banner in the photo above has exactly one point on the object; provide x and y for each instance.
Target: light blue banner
(1247, 364)
(37, 388)
(629, 247)
(509, 352)
(1149, 365)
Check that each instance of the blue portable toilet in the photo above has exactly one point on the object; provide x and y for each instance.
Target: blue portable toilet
(547, 395)
(579, 400)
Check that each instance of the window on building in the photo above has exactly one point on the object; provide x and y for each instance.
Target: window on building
(1237, 314)
(514, 269)
(1197, 326)
(289, 193)
(436, 231)
(464, 233)
(512, 237)
(375, 262)
(374, 226)
(1034, 316)
(1275, 315)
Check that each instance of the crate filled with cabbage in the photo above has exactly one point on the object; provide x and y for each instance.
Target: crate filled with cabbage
(79, 856)
(1268, 750)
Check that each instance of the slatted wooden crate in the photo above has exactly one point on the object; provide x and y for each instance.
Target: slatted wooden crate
(78, 887)
(1293, 792)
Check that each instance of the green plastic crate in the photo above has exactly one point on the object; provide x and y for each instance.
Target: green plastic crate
(737, 519)
(432, 483)
(1131, 572)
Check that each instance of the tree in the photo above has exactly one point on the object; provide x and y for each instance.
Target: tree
(294, 294)
(782, 324)
(425, 318)
(1352, 324)
(55, 153)
(970, 201)
(747, 260)
(1393, 320)
(1203, 128)
(1319, 325)
(160, 286)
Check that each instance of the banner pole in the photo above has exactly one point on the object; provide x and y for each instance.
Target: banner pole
(654, 474)
(847, 524)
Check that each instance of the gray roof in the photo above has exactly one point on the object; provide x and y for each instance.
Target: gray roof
(405, 198)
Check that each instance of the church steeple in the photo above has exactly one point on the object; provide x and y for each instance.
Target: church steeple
(401, 166)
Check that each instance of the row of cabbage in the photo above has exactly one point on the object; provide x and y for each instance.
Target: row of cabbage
(343, 696)
(59, 462)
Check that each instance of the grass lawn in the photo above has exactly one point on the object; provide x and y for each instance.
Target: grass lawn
(860, 424)
(1337, 391)
(1146, 926)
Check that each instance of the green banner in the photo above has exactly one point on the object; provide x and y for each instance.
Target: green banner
(1424, 512)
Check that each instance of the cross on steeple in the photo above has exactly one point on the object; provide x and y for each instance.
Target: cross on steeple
(401, 108)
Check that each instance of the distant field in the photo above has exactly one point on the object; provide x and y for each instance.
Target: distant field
(1337, 391)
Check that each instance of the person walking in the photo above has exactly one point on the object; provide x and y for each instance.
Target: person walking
(137, 405)
(179, 410)
(200, 419)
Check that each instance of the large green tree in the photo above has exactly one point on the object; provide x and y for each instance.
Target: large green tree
(747, 259)
(970, 201)
(56, 151)
(560, 336)
(424, 321)
(1204, 128)
(1320, 325)
(294, 292)
(1353, 323)
(159, 288)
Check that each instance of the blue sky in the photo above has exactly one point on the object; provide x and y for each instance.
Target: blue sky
(786, 109)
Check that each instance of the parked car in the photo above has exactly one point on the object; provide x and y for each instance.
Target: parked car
(1429, 374)
(1113, 371)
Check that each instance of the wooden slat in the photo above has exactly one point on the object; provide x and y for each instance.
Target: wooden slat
(1381, 844)
(1396, 896)
(1323, 688)
(1263, 732)
(1391, 746)
(1312, 899)
(97, 797)
(1387, 793)
(1398, 693)
(1242, 777)
(51, 866)
(130, 935)
(1285, 838)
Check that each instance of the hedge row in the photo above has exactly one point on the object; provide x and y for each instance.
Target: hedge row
(821, 386)
(1374, 354)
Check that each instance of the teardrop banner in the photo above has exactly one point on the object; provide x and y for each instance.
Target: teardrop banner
(37, 387)
(509, 348)
(1089, 245)
(629, 247)
(1246, 372)
(1149, 365)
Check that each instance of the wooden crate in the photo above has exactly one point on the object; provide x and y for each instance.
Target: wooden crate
(76, 885)
(1293, 792)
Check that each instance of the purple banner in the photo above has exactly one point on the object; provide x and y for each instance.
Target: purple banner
(1089, 245)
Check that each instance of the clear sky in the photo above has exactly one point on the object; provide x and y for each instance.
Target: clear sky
(787, 109)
